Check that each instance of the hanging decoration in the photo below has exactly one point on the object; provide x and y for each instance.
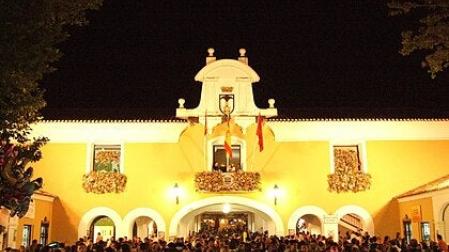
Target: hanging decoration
(347, 176)
(101, 182)
(227, 182)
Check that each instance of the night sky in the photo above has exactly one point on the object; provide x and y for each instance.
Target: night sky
(316, 58)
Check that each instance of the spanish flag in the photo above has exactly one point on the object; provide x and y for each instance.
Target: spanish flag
(227, 143)
(259, 131)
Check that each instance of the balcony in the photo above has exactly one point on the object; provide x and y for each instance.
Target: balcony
(227, 181)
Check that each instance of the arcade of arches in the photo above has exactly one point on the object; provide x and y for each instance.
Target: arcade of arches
(223, 216)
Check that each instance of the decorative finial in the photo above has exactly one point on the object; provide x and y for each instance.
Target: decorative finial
(271, 103)
(211, 52)
(181, 102)
(242, 52)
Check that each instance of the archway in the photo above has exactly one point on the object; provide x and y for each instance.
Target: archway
(102, 226)
(84, 227)
(135, 214)
(314, 215)
(443, 228)
(264, 217)
(309, 223)
(354, 218)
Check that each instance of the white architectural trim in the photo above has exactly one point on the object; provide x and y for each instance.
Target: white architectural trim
(130, 218)
(328, 130)
(279, 225)
(310, 209)
(89, 216)
(114, 131)
(238, 65)
(285, 131)
(38, 196)
(424, 195)
(367, 220)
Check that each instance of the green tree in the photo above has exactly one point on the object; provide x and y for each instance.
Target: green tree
(30, 31)
(432, 34)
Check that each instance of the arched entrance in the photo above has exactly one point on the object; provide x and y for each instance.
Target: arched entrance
(444, 226)
(144, 227)
(91, 216)
(307, 218)
(354, 218)
(104, 226)
(144, 222)
(309, 223)
(242, 213)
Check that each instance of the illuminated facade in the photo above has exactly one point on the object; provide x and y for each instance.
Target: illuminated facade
(118, 177)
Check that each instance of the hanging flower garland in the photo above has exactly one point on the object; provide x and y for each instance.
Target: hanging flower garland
(347, 176)
(227, 182)
(101, 182)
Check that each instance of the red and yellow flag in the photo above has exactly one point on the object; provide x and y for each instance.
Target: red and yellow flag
(259, 131)
(227, 143)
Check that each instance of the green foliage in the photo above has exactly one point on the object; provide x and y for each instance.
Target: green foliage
(29, 34)
(432, 34)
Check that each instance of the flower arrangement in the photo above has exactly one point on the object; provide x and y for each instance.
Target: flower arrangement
(227, 182)
(348, 176)
(107, 160)
(104, 182)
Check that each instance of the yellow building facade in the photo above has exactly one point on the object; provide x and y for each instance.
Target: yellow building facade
(179, 178)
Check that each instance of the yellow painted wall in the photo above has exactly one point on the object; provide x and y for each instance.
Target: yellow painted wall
(426, 210)
(43, 208)
(299, 168)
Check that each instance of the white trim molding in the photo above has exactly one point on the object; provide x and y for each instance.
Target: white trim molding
(113, 131)
(328, 130)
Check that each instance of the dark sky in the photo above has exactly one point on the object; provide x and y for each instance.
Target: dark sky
(316, 58)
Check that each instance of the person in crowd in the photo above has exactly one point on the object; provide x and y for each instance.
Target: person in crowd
(442, 245)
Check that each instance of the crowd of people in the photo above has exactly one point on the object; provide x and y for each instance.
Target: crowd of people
(251, 242)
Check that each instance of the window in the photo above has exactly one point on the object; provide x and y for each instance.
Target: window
(348, 155)
(26, 235)
(425, 231)
(106, 158)
(407, 228)
(224, 163)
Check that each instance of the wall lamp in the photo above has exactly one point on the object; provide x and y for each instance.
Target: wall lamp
(276, 193)
(176, 191)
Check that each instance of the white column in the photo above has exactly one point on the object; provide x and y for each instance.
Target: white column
(330, 226)
(12, 231)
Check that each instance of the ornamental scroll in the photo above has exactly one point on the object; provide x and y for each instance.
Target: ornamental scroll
(348, 176)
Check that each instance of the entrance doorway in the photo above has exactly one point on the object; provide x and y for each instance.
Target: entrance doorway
(308, 223)
(144, 227)
(258, 216)
(225, 225)
(446, 222)
(104, 226)
(350, 223)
